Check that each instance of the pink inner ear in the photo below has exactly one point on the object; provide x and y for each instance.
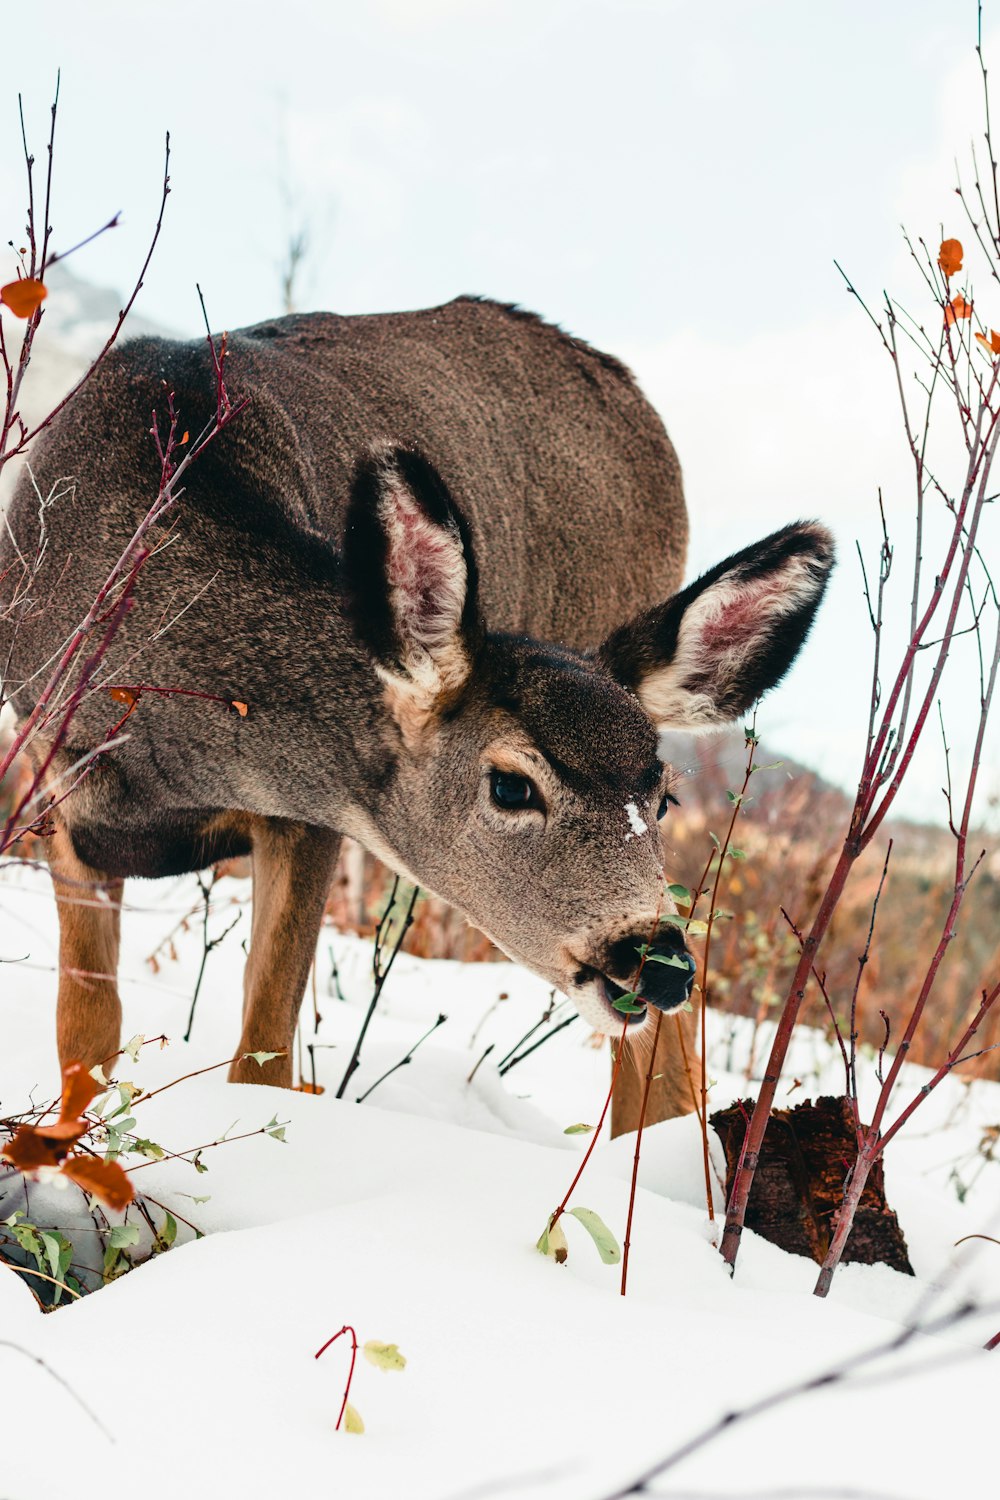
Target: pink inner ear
(426, 572)
(742, 614)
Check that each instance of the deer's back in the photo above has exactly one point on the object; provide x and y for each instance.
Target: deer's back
(570, 483)
(569, 479)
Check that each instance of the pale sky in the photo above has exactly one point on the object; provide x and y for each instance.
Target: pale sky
(671, 181)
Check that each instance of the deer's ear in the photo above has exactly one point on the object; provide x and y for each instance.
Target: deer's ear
(701, 659)
(409, 580)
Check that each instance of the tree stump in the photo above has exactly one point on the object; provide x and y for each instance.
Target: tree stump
(799, 1183)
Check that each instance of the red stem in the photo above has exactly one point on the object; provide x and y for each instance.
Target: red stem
(350, 1374)
(638, 1146)
(593, 1140)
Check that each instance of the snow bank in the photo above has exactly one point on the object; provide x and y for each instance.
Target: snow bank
(413, 1217)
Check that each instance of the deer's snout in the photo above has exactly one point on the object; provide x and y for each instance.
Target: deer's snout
(661, 974)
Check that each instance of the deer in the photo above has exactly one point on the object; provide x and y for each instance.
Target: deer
(438, 559)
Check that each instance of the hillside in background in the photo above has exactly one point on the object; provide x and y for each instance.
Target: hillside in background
(77, 320)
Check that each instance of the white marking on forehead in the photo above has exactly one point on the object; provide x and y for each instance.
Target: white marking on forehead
(638, 826)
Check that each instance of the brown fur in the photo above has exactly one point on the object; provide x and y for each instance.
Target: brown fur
(89, 1012)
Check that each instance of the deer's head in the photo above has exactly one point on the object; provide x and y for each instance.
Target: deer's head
(527, 780)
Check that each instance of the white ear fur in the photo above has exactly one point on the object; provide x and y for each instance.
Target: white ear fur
(724, 633)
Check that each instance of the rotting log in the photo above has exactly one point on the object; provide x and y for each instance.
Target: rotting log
(799, 1184)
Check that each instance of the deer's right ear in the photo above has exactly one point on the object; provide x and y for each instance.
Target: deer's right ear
(409, 582)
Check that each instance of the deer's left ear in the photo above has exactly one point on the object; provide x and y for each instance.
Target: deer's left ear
(409, 581)
(702, 658)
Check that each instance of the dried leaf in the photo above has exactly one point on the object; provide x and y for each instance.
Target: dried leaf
(552, 1242)
(957, 308)
(123, 695)
(383, 1356)
(29, 1150)
(36, 1146)
(134, 1046)
(950, 257)
(102, 1179)
(241, 708)
(991, 344)
(309, 1088)
(352, 1419)
(23, 296)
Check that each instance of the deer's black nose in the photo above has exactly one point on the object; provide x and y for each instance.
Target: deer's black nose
(667, 976)
(667, 970)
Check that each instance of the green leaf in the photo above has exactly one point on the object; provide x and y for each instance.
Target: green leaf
(750, 735)
(383, 1356)
(58, 1256)
(147, 1148)
(737, 853)
(734, 798)
(97, 1074)
(168, 1231)
(607, 1245)
(110, 1268)
(672, 960)
(696, 927)
(134, 1045)
(274, 1130)
(260, 1058)
(680, 893)
(126, 1093)
(122, 1235)
(687, 1006)
(27, 1237)
(578, 1129)
(626, 1006)
(197, 1162)
(352, 1419)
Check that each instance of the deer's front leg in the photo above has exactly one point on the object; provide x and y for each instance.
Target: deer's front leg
(293, 867)
(89, 1012)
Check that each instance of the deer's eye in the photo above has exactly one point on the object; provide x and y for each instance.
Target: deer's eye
(513, 792)
(669, 800)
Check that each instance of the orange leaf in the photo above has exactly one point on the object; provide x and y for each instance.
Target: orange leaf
(957, 308)
(950, 256)
(991, 344)
(30, 1150)
(103, 1179)
(241, 708)
(77, 1091)
(123, 695)
(184, 439)
(309, 1088)
(23, 296)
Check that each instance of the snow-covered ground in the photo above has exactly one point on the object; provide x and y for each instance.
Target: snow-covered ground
(414, 1216)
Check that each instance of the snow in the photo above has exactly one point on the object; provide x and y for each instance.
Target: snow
(636, 823)
(413, 1217)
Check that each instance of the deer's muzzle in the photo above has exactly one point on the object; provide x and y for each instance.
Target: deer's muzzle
(660, 975)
